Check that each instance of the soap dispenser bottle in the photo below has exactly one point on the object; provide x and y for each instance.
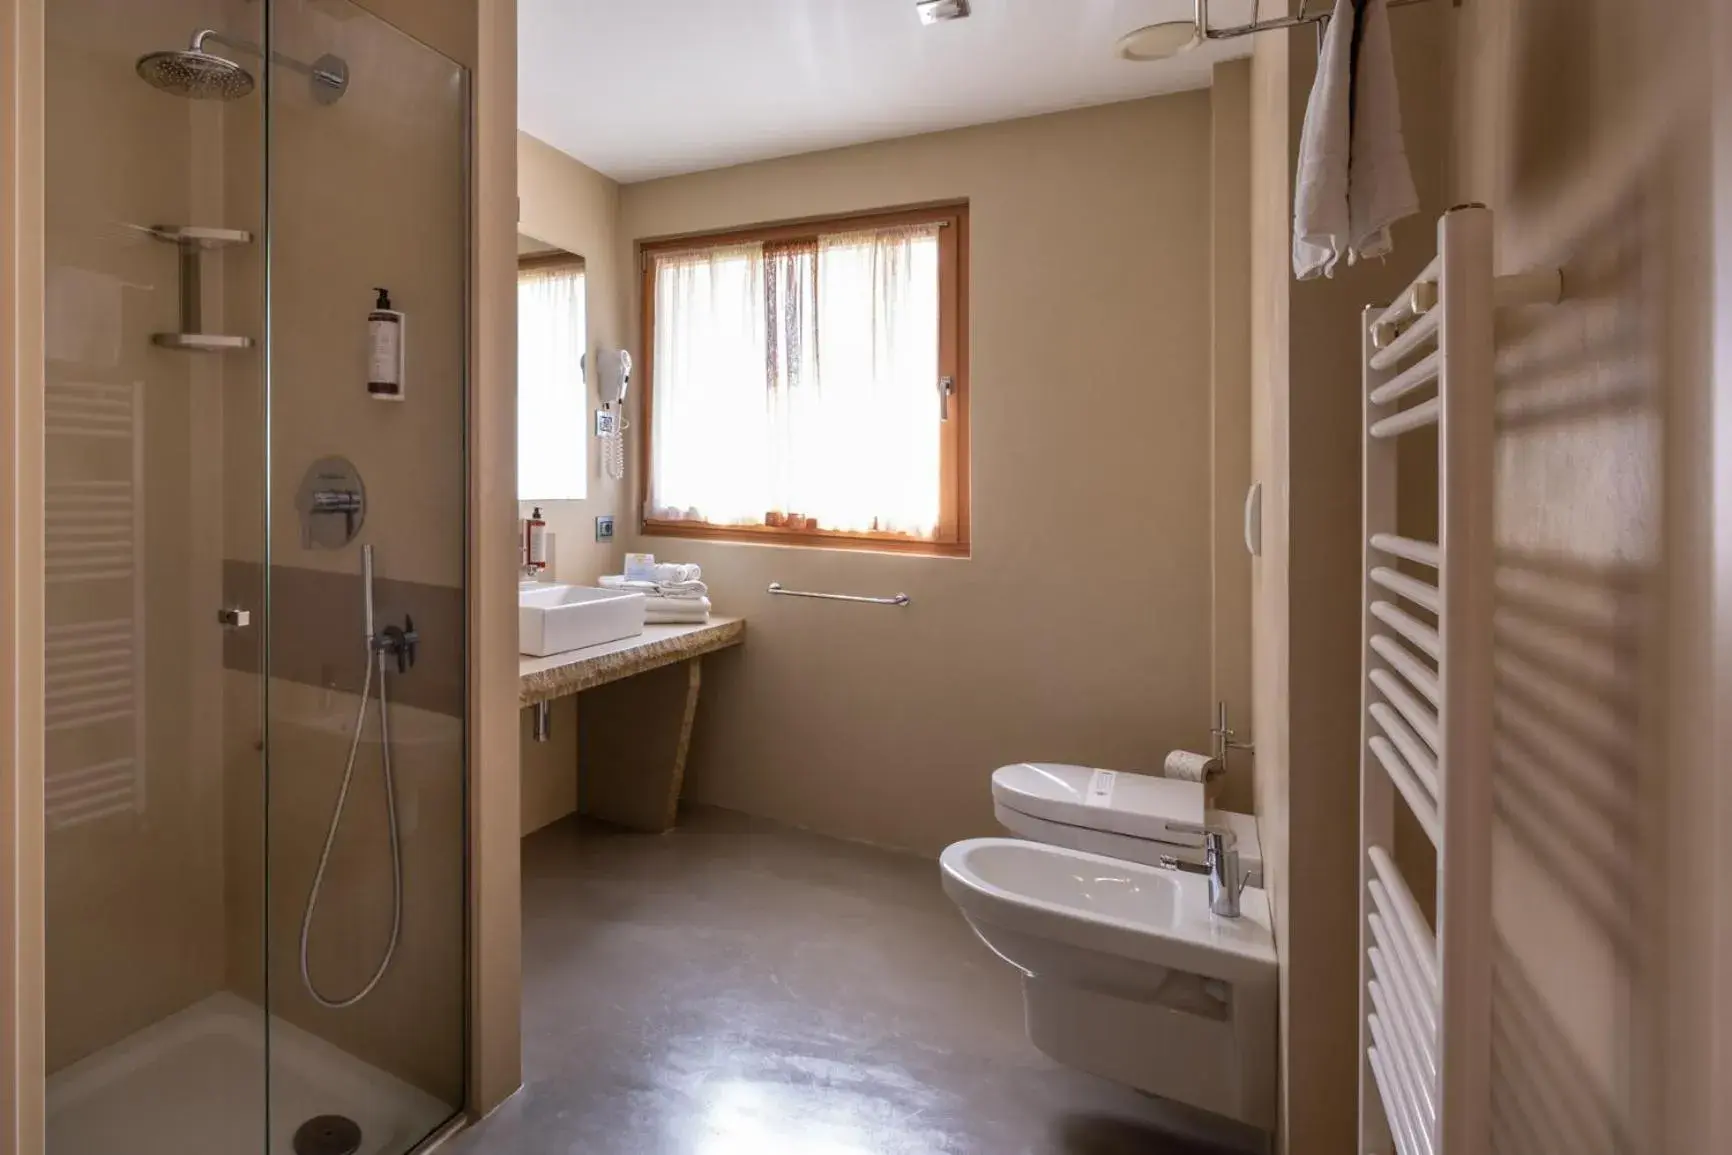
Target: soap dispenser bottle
(384, 350)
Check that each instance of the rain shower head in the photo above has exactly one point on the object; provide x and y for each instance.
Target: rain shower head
(200, 75)
(195, 73)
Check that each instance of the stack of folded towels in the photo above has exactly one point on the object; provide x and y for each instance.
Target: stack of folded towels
(676, 596)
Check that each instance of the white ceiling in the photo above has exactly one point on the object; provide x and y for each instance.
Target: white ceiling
(647, 88)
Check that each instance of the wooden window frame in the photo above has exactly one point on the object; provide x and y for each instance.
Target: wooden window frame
(559, 259)
(952, 538)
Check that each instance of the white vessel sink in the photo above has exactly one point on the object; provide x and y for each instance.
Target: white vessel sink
(552, 619)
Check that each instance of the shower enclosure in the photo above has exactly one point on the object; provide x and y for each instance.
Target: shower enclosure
(255, 629)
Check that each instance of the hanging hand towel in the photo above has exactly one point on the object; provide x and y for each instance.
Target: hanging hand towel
(1321, 221)
(1379, 185)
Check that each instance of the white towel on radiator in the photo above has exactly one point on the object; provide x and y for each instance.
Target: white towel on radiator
(1322, 224)
(1379, 183)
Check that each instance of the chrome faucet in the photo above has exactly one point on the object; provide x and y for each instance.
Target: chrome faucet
(1221, 846)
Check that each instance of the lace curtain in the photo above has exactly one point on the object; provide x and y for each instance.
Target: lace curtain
(800, 379)
(551, 335)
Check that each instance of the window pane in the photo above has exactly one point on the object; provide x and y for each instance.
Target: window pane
(551, 337)
(869, 454)
(801, 379)
(710, 437)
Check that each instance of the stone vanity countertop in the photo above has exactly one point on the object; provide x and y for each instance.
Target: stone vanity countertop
(555, 676)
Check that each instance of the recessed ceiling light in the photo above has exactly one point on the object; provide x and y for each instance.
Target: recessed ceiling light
(932, 11)
(1160, 41)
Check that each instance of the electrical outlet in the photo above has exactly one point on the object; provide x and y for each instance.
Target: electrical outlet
(604, 527)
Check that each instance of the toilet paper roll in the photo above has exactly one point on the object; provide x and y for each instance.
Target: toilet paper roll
(1189, 766)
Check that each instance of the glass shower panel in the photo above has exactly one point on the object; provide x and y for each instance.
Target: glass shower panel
(366, 827)
(255, 913)
(156, 1035)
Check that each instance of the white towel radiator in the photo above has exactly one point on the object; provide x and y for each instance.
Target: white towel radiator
(1426, 702)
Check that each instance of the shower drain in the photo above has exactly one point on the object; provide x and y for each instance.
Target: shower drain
(328, 1135)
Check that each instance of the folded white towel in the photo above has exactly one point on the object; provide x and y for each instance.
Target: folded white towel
(1321, 221)
(669, 611)
(689, 589)
(1379, 184)
(673, 573)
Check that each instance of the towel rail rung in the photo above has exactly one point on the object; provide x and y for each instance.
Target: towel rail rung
(1408, 785)
(1422, 1027)
(1405, 973)
(1407, 1046)
(1420, 373)
(1405, 1143)
(1408, 919)
(1420, 593)
(1408, 666)
(1418, 759)
(1418, 417)
(1410, 628)
(1423, 329)
(1418, 1125)
(1421, 552)
(1423, 721)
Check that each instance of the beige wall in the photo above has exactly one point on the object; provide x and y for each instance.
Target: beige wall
(573, 207)
(495, 1036)
(1230, 418)
(1306, 429)
(1588, 133)
(1078, 631)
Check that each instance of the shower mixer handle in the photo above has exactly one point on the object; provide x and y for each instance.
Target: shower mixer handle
(403, 641)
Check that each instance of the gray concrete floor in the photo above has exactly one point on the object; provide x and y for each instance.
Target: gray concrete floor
(740, 988)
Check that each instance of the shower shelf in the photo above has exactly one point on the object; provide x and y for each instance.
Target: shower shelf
(200, 342)
(198, 236)
(193, 241)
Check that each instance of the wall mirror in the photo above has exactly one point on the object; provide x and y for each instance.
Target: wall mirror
(552, 373)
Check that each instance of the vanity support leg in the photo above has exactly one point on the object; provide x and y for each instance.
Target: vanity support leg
(632, 744)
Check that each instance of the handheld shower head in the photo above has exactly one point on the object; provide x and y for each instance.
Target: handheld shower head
(195, 74)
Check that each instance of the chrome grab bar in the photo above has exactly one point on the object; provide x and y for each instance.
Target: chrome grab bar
(898, 600)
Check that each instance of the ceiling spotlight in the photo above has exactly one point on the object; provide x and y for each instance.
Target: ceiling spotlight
(932, 11)
(1160, 41)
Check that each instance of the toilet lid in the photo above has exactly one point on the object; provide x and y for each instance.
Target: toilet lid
(1139, 805)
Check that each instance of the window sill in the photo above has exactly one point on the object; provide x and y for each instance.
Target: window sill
(805, 538)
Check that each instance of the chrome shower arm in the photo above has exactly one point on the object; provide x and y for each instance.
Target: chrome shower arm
(326, 75)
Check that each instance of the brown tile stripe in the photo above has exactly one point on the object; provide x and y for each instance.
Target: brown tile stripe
(316, 627)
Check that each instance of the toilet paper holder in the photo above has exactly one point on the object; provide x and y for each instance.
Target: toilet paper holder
(1224, 737)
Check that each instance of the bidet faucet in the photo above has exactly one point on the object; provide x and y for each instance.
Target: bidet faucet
(1221, 846)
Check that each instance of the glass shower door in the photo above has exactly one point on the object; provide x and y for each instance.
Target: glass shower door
(366, 830)
(156, 1032)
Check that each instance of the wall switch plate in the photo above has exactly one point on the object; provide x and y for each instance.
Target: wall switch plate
(604, 527)
(604, 422)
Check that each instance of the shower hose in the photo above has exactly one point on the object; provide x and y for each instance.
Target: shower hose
(376, 657)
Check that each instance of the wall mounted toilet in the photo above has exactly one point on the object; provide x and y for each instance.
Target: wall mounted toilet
(1126, 973)
(1115, 813)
